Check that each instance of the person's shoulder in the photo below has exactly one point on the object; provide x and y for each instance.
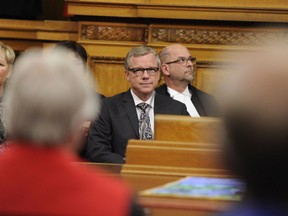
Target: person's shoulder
(200, 93)
(168, 100)
(104, 180)
(115, 98)
(115, 101)
(162, 90)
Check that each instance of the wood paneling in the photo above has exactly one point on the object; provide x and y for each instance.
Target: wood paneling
(110, 76)
(213, 46)
(253, 10)
(107, 43)
(23, 34)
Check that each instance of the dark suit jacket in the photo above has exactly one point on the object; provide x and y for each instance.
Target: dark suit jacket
(118, 122)
(204, 103)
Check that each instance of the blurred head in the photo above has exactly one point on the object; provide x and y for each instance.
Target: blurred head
(255, 108)
(7, 57)
(176, 65)
(77, 53)
(47, 100)
(142, 70)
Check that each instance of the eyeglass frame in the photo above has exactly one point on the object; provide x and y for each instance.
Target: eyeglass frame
(135, 70)
(178, 60)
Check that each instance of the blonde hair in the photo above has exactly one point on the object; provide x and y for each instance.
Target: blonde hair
(9, 53)
(47, 98)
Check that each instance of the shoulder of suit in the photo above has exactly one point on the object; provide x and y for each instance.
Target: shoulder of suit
(114, 98)
(167, 100)
(161, 89)
(199, 92)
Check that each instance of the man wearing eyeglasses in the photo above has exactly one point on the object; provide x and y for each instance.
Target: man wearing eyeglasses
(177, 66)
(130, 115)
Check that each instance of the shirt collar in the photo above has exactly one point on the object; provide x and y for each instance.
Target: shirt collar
(137, 100)
(172, 92)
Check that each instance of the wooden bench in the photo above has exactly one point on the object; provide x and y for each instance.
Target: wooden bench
(187, 129)
(173, 158)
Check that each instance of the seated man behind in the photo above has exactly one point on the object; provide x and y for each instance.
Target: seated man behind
(46, 102)
(130, 115)
(178, 72)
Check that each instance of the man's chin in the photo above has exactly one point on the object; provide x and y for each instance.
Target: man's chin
(189, 79)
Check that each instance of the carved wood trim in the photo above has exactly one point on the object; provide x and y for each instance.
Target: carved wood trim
(106, 60)
(113, 32)
(217, 36)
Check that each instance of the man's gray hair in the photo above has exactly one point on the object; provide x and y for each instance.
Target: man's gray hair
(140, 51)
(47, 99)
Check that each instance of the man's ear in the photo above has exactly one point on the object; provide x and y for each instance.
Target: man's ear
(127, 75)
(165, 69)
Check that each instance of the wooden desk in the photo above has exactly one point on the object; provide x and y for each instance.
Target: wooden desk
(159, 206)
(187, 129)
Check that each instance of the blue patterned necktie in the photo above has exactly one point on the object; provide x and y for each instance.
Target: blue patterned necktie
(144, 122)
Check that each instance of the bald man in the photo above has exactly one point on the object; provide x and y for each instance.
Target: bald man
(178, 72)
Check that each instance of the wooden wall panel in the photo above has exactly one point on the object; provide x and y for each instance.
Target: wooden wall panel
(247, 10)
(23, 34)
(109, 76)
(107, 43)
(214, 47)
(209, 79)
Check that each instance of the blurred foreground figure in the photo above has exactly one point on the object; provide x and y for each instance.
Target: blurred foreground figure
(7, 57)
(256, 121)
(79, 57)
(46, 102)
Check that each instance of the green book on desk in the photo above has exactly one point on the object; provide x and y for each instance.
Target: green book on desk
(201, 188)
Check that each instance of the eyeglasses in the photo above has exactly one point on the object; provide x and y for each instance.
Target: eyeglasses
(184, 61)
(140, 71)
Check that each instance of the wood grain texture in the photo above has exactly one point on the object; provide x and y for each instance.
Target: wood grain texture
(268, 11)
(187, 129)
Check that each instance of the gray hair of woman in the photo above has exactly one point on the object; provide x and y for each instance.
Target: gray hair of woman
(47, 99)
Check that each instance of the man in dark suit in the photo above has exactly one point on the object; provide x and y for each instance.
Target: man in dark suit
(122, 117)
(178, 73)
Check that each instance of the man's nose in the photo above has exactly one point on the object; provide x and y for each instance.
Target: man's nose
(189, 63)
(145, 74)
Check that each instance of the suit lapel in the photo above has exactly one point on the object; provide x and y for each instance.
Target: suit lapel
(164, 90)
(196, 101)
(158, 105)
(129, 106)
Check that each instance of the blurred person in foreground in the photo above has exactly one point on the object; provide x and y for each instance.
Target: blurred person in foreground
(255, 112)
(7, 57)
(79, 57)
(44, 117)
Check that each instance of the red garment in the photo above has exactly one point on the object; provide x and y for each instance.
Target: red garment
(38, 181)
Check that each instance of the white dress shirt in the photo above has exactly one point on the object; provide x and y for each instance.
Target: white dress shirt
(184, 97)
(150, 101)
